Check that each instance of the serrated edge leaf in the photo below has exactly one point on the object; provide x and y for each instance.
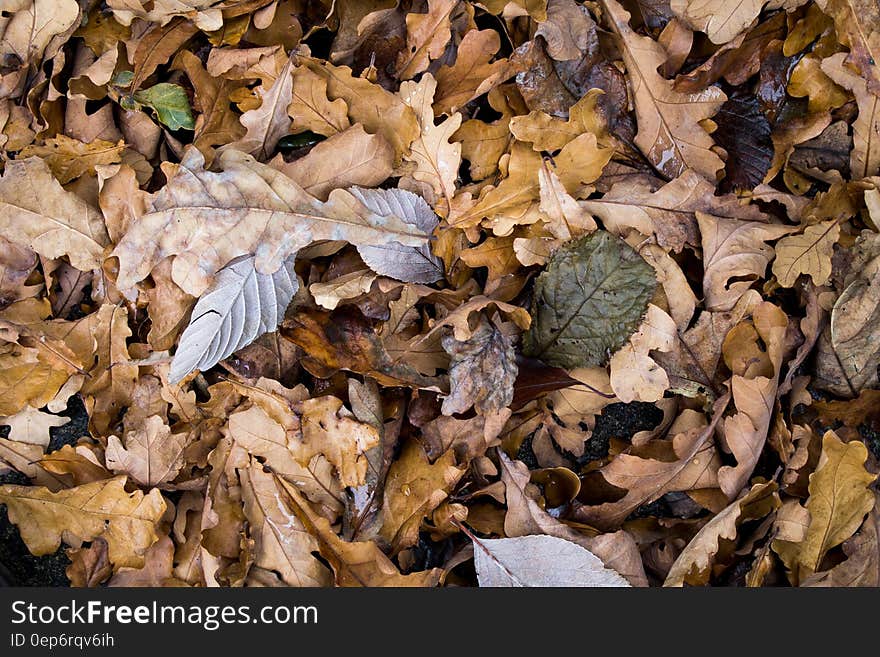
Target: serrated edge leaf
(241, 305)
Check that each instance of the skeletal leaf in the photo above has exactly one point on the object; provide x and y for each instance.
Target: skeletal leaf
(588, 301)
(241, 305)
(540, 561)
(410, 264)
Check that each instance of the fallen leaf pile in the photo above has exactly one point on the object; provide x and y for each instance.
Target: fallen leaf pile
(442, 293)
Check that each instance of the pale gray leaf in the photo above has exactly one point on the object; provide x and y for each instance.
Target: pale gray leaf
(540, 561)
(410, 264)
(240, 306)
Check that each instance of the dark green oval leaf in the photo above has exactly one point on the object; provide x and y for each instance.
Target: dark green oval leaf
(588, 301)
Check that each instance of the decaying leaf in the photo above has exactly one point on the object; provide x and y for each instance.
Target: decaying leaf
(589, 300)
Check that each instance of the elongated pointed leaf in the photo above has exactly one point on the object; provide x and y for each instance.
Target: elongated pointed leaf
(411, 264)
(240, 306)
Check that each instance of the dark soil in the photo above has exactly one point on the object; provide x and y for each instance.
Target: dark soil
(18, 567)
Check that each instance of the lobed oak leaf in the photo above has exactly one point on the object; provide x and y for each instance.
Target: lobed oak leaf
(127, 521)
(359, 563)
(310, 108)
(693, 566)
(670, 134)
(734, 249)
(473, 72)
(413, 488)
(151, 455)
(31, 425)
(865, 155)
(351, 157)
(549, 133)
(806, 253)
(840, 498)
(283, 548)
(426, 38)
(436, 160)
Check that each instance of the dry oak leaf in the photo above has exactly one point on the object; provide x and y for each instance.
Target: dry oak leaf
(514, 201)
(670, 134)
(840, 497)
(754, 354)
(483, 144)
(635, 376)
(352, 157)
(865, 155)
(721, 21)
(565, 218)
(156, 571)
(436, 160)
(151, 455)
(734, 249)
(207, 219)
(862, 566)
(667, 213)
(70, 158)
(524, 517)
(414, 487)
(25, 34)
(310, 108)
(378, 110)
(356, 563)
(807, 253)
(693, 565)
(216, 123)
(689, 462)
(255, 431)
(549, 133)
(31, 425)
(127, 521)
(858, 27)
(426, 38)
(269, 122)
(482, 371)
(28, 377)
(282, 546)
(37, 212)
(330, 429)
(472, 74)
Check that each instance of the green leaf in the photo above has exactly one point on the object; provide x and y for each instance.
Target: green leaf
(588, 302)
(170, 103)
